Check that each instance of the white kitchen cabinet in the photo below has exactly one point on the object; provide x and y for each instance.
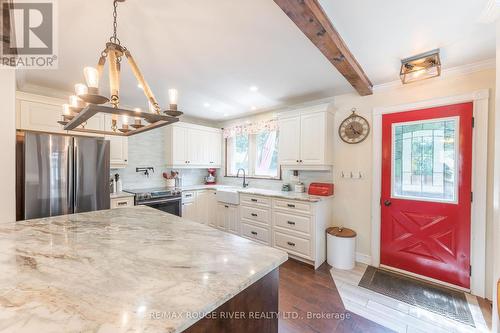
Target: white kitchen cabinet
(189, 206)
(297, 227)
(193, 146)
(41, 113)
(312, 139)
(203, 206)
(214, 152)
(118, 147)
(200, 206)
(227, 218)
(189, 211)
(178, 145)
(197, 147)
(121, 202)
(289, 143)
(306, 139)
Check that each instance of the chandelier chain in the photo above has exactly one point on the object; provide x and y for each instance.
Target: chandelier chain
(114, 38)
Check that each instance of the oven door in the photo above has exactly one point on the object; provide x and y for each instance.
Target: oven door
(172, 206)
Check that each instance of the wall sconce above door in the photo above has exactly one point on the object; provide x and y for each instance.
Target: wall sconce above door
(421, 67)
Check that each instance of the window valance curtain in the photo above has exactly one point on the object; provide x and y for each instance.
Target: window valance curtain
(251, 128)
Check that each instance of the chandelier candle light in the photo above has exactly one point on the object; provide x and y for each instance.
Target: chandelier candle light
(87, 101)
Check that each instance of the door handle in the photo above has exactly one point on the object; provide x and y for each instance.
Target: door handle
(387, 203)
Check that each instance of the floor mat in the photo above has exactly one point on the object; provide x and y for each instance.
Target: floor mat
(446, 302)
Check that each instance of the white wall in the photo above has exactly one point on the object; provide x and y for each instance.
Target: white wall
(8, 141)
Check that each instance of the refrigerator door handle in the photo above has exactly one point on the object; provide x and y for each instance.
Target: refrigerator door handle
(70, 171)
(76, 166)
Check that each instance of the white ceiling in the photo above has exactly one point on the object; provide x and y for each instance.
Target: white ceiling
(213, 51)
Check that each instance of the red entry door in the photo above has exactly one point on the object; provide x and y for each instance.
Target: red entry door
(426, 192)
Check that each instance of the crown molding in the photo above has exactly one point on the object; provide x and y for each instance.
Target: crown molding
(446, 73)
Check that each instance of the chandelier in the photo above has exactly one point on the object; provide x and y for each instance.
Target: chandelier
(87, 101)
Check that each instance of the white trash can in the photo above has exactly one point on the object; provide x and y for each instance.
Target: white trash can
(341, 247)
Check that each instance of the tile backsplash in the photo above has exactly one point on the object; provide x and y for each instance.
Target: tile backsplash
(148, 150)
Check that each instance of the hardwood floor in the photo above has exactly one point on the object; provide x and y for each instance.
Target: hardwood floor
(305, 292)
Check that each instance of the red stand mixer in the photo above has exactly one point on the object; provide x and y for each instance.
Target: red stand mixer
(211, 179)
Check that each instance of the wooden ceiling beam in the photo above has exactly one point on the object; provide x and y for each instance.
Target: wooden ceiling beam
(312, 20)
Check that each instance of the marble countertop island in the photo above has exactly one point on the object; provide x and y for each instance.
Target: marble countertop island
(123, 270)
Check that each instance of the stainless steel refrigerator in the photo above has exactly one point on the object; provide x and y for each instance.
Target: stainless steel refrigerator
(58, 175)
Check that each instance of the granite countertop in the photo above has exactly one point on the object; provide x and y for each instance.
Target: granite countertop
(119, 195)
(257, 191)
(109, 271)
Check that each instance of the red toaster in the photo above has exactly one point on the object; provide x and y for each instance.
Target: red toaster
(321, 189)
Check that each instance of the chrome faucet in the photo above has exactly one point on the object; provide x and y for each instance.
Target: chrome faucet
(245, 184)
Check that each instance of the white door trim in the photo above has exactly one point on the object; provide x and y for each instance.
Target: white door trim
(480, 99)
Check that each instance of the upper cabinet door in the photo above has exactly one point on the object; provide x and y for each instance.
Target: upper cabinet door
(312, 138)
(179, 145)
(118, 147)
(289, 143)
(214, 149)
(37, 116)
(197, 147)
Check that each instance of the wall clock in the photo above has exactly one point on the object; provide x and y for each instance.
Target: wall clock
(354, 129)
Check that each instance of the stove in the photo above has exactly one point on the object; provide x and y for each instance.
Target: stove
(168, 200)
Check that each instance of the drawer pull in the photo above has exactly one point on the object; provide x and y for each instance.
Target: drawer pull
(254, 215)
(291, 205)
(290, 243)
(123, 203)
(290, 222)
(188, 195)
(254, 200)
(254, 233)
(226, 206)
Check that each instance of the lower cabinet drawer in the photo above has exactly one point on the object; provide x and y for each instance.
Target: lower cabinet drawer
(293, 206)
(292, 244)
(253, 232)
(256, 214)
(293, 222)
(122, 203)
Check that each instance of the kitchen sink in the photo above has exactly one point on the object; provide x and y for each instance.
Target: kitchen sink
(229, 196)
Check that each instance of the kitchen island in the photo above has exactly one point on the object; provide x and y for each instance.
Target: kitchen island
(134, 269)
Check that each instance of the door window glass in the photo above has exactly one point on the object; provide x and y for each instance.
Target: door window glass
(424, 160)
